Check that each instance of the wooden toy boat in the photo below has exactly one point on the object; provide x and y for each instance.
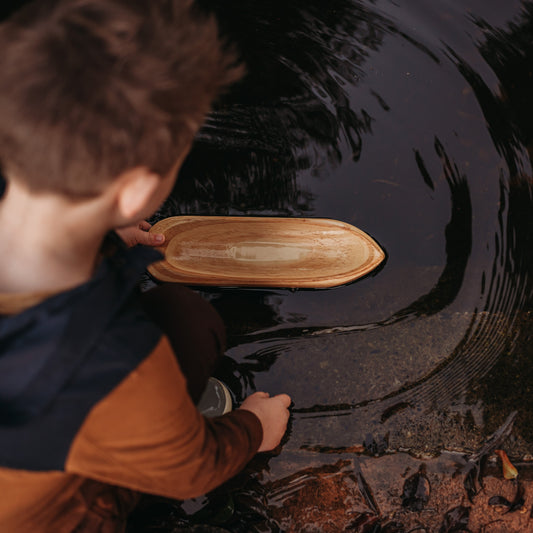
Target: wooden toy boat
(263, 252)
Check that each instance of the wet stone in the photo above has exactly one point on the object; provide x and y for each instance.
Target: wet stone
(376, 444)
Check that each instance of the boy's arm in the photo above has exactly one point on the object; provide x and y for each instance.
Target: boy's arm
(147, 435)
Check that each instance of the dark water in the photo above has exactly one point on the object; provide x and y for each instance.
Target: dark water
(412, 120)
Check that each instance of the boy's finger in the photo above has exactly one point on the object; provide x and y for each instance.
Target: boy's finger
(149, 239)
(144, 225)
(285, 399)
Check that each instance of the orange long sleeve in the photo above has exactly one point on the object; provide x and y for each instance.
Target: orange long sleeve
(148, 436)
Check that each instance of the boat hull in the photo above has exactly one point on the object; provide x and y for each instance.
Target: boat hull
(263, 252)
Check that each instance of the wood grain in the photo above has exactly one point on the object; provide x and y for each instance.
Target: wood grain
(263, 252)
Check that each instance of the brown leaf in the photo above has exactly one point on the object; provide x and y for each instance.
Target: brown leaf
(509, 471)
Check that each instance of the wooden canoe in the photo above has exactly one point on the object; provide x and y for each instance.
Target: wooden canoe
(263, 252)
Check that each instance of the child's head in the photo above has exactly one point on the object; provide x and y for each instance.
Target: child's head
(92, 88)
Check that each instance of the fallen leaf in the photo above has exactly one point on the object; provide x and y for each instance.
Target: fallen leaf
(455, 520)
(509, 471)
(416, 490)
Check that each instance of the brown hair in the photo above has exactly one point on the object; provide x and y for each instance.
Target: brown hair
(91, 88)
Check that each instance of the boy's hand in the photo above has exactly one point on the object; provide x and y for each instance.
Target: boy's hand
(138, 234)
(273, 414)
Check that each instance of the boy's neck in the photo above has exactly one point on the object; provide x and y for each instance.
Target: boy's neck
(49, 243)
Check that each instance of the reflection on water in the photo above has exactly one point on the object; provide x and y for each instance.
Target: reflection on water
(413, 121)
(292, 113)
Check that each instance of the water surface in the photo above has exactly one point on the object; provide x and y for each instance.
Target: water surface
(413, 121)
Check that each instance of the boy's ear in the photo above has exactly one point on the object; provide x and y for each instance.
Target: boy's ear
(135, 190)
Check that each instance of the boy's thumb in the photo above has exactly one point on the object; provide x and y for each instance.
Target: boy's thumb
(157, 238)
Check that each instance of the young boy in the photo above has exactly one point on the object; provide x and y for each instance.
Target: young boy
(99, 104)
